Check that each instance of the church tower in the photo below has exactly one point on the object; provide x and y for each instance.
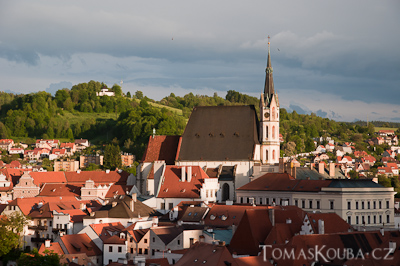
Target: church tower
(269, 118)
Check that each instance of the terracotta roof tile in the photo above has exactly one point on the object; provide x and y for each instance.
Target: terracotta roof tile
(99, 177)
(54, 247)
(161, 148)
(80, 243)
(173, 187)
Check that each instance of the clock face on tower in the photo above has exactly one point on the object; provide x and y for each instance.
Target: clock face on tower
(266, 115)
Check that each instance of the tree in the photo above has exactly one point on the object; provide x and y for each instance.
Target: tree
(70, 135)
(128, 95)
(117, 90)
(112, 157)
(36, 259)
(11, 227)
(139, 95)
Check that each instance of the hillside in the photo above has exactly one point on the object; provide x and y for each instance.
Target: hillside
(129, 121)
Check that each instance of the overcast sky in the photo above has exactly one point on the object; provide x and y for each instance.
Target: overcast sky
(339, 59)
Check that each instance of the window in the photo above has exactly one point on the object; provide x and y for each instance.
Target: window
(332, 205)
(146, 251)
(154, 239)
(153, 252)
(273, 132)
(131, 250)
(296, 202)
(318, 204)
(362, 205)
(267, 201)
(119, 249)
(50, 223)
(241, 199)
(131, 240)
(260, 201)
(374, 204)
(248, 200)
(388, 218)
(380, 218)
(363, 219)
(171, 206)
(369, 219)
(357, 220)
(110, 249)
(179, 242)
(310, 204)
(349, 219)
(356, 205)
(162, 206)
(380, 204)
(273, 155)
(140, 251)
(349, 205)
(374, 219)
(369, 204)
(145, 241)
(387, 204)
(303, 204)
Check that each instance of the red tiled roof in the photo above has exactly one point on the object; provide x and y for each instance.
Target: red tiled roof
(333, 223)
(56, 190)
(40, 178)
(26, 204)
(173, 187)
(233, 214)
(103, 230)
(80, 243)
(161, 148)
(99, 177)
(159, 262)
(117, 190)
(207, 254)
(252, 230)
(67, 145)
(54, 247)
(284, 182)
(114, 240)
(58, 151)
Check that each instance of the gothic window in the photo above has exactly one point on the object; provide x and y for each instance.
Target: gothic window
(273, 112)
(273, 155)
(266, 156)
(273, 132)
(267, 131)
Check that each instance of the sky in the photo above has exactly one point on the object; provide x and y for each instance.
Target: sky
(338, 59)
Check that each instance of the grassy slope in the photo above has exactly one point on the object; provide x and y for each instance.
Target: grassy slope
(385, 128)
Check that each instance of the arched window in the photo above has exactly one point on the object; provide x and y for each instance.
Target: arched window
(225, 192)
(266, 131)
(273, 155)
(266, 156)
(273, 132)
(273, 112)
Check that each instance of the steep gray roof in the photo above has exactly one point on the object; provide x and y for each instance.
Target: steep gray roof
(220, 133)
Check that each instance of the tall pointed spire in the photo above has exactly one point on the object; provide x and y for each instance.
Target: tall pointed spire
(269, 80)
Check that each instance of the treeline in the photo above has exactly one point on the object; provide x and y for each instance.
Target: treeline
(187, 102)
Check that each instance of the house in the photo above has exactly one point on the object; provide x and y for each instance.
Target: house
(125, 210)
(6, 188)
(57, 153)
(81, 144)
(359, 154)
(394, 167)
(32, 154)
(347, 160)
(181, 183)
(47, 143)
(115, 248)
(69, 147)
(385, 170)
(329, 147)
(16, 151)
(81, 244)
(389, 153)
(386, 133)
(334, 195)
(127, 159)
(320, 149)
(98, 233)
(369, 159)
(85, 160)
(66, 165)
(105, 92)
(6, 144)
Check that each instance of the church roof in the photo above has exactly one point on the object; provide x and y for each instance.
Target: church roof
(220, 133)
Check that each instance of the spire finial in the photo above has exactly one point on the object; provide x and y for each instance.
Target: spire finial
(269, 44)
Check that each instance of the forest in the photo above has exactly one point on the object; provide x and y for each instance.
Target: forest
(128, 120)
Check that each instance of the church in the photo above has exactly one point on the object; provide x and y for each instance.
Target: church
(230, 143)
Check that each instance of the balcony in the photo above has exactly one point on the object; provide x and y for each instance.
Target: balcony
(38, 227)
(38, 239)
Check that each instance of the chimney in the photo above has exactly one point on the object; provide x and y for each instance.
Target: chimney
(183, 174)
(47, 243)
(288, 221)
(154, 221)
(132, 205)
(271, 214)
(382, 232)
(312, 166)
(107, 171)
(281, 165)
(332, 169)
(83, 206)
(201, 238)
(321, 169)
(114, 204)
(134, 197)
(189, 173)
(321, 227)
(191, 241)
